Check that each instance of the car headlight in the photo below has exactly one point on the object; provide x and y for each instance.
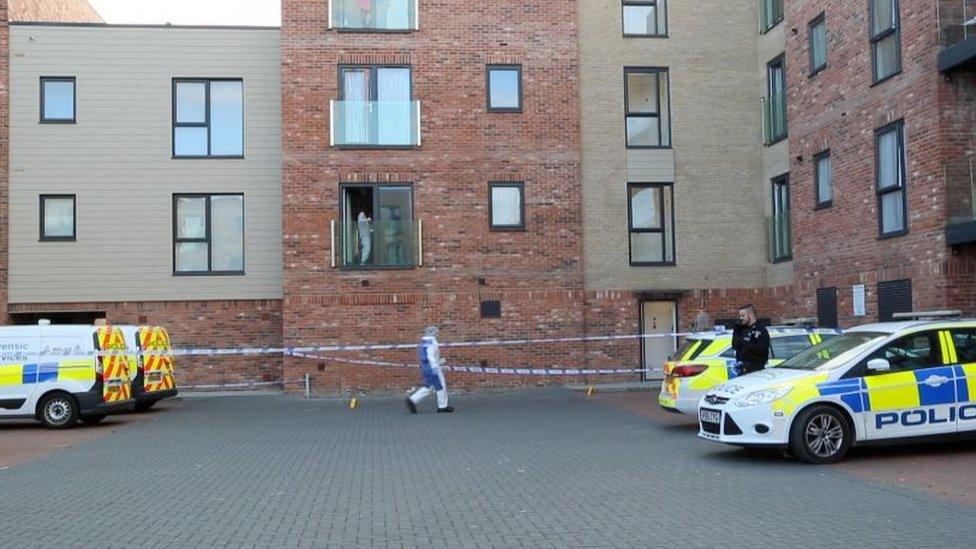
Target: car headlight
(759, 398)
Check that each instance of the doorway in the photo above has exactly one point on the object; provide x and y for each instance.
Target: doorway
(657, 318)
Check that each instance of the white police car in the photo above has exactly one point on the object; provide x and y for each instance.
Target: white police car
(893, 380)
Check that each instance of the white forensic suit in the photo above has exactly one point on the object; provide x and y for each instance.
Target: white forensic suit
(431, 375)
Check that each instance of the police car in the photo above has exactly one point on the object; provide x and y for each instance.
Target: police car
(878, 382)
(707, 359)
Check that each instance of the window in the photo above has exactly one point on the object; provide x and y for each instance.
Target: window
(781, 244)
(491, 309)
(208, 234)
(775, 107)
(648, 109)
(787, 346)
(645, 17)
(504, 88)
(818, 44)
(376, 107)
(770, 13)
(58, 99)
(374, 15)
(650, 213)
(506, 209)
(823, 180)
(889, 144)
(965, 343)
(208, 118)
(913, 352)
(57, 217)
(885, 39)
(827, 307)
(894, 296)
(378, 226)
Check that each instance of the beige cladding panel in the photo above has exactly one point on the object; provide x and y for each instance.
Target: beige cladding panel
(716, 113)
(117, 160)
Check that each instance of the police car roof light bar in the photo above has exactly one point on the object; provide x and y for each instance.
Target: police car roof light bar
(927, 315)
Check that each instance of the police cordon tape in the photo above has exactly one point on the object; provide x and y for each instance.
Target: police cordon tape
(488, 370)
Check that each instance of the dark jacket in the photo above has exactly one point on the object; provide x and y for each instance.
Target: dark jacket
(751, 344)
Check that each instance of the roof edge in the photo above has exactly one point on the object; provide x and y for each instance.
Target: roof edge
(140, 26)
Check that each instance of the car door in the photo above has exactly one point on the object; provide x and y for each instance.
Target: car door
(963, 360)
(915, 397)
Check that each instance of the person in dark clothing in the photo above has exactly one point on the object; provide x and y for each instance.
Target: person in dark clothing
(750, 341)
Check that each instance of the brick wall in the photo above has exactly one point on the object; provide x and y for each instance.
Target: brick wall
(536, 274)
(200, 324)
(59, 11)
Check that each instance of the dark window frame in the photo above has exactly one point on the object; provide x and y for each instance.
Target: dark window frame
(627, 114)
(861, 369)
(784, 182)
(818, 204)
(657, 4)
(521, 96)
(780, 61)
(206, 123)
(875, 39)
(74, 100)
(74, 218)
(818, 20)
(373, 93)
(520, 185)
(342, 223)
(833, 294)
(770, 25)
(899, 127)
(662, 231)
(208, 239)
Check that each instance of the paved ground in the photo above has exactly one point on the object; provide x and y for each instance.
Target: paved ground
(541, 469)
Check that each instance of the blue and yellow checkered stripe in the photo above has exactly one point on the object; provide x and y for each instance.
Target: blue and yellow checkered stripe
(900, 390)
(44, 372)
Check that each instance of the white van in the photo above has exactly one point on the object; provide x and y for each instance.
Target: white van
(56, 375)
(153, 375)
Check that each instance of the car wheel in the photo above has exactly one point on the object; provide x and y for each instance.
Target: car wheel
(92, 420)
(821, 435)
(58, 411)
(145, 406)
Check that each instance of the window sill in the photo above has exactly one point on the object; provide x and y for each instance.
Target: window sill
(210, 273)
(649, 147)
(776, 140)
(505, 111)
(817, 71)
(58, 121)
(654, 264)
(351, 30)
(786, 259)
(57, 239)
(354, 268)
(174, 157)
(886, 78)
(771, 27)
(507, 229)
(376, 147)
(645, 35)
(889, 236)
(823, 205)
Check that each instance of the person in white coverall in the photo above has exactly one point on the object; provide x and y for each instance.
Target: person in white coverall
(431, 375)
(365, 237)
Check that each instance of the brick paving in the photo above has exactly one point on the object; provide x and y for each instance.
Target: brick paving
(539, 469)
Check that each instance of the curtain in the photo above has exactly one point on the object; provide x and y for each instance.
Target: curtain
(354, 109)
(394, 109)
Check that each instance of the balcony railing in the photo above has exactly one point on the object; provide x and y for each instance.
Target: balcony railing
(375, 123)
(960, 182)
(381, 244)
(774, 118)
(957, 34)
(373, 15)
(780, 237)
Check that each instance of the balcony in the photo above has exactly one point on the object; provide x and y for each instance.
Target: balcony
(375, 124)
(780, 236)
(382, 244)
(957, 35)
(373, 15)
(960, 181)
(774, 119)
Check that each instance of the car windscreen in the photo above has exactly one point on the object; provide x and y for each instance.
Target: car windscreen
(833, 352)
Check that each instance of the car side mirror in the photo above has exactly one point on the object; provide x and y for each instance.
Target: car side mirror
(879, 365)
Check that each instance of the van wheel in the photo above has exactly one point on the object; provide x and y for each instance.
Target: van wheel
(820, 435)
(58, 411)
(92, 420)
(145, 406)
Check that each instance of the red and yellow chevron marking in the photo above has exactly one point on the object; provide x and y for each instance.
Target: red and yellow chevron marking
(156, 338)
(116, 376)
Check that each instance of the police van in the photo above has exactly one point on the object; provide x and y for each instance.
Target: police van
(151, 371)
(60, 375)
(880, 382)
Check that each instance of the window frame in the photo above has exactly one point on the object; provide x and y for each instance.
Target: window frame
(657, 4)
(875, 39)
(501, 67)
(662, 231)
(373, 93)
(934, 345)
(818, 204)
(520, 185)
(74, 100)
(660, 105)
(818, 20)
(899, 127)
(784, 182)
(770, 25)
(342, 224)
(779, 60)
(74, 218)
(208, 239)
(207, 119)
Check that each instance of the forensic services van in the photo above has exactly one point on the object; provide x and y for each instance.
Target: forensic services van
(875, 383)
(58, 374)
(152, 371)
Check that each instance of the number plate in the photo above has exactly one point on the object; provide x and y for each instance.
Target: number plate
(710, 416)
